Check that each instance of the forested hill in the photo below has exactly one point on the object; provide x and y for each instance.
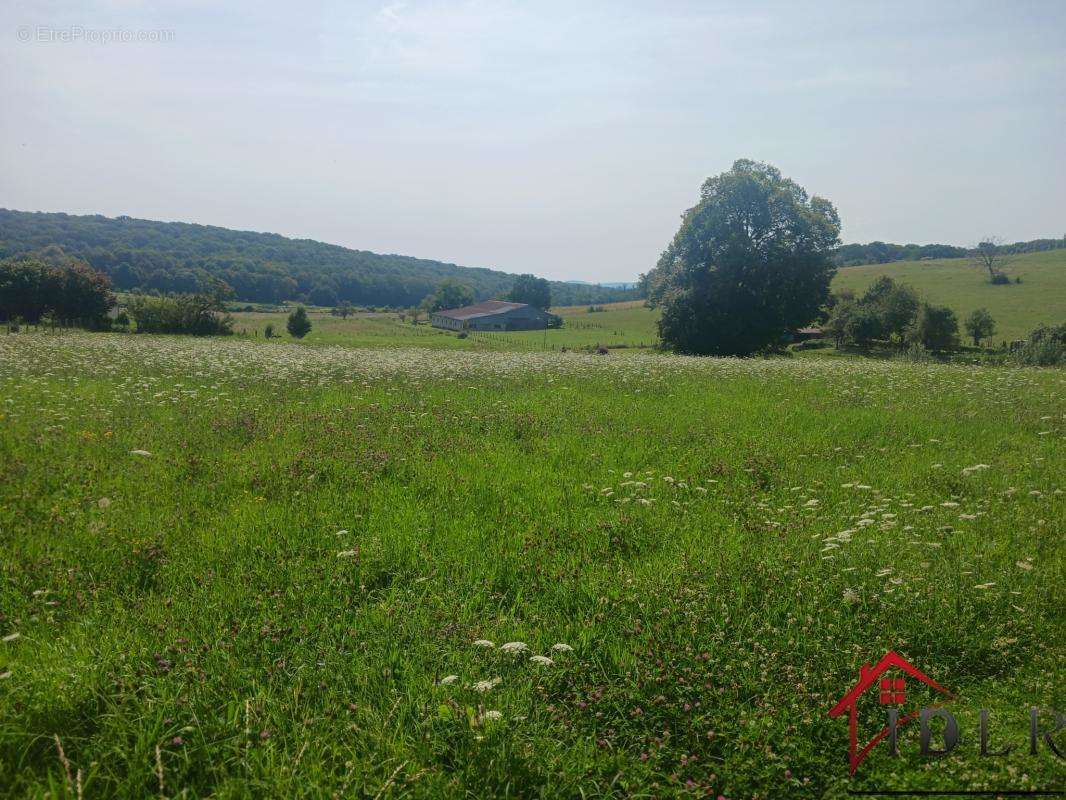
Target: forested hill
(260, 267)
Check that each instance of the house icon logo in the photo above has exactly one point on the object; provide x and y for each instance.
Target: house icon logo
(888, 680)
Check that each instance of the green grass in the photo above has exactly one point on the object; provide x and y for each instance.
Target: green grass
(620, 325)
(1017, 308)
(266, 604)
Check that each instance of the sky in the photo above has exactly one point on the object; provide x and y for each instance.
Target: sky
(563, 139)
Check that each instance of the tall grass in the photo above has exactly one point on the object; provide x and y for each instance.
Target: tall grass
(242, 569)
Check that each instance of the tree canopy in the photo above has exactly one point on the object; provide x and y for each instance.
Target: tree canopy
(532, 290)
(980, 325)
(449, 294)
(750, 262)
(174, 257)
(50, 282)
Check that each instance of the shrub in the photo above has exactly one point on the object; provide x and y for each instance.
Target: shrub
(1045, 347)
(936, 328)
(268, 331)
(298, 324)
(916, 353)
(1000, 279)
(194, 314)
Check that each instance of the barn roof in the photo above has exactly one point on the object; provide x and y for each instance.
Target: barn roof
(485, 309)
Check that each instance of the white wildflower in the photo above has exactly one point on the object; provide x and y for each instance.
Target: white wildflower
(491, 716)
(347, 554)
(560, 647)
(542, 660)
(514, 647)
(486, 686)
(448, 680)
(483, 643)
(103, 502)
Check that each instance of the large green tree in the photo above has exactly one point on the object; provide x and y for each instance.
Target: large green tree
(449, 294)
(532, 290)
(750, 262)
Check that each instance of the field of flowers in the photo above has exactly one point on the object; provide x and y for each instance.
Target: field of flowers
(245, 569)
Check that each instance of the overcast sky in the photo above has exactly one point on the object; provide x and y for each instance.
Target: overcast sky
(562, 139)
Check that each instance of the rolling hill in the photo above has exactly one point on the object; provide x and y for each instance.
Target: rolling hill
(260, 267)
(1017, 307)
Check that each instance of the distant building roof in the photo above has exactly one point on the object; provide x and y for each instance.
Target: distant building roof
(485, 309)
(810, 331)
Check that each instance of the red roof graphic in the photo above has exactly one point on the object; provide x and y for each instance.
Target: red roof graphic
(868, 676)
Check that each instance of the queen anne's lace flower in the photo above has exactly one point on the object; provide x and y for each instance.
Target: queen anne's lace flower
(486, 686)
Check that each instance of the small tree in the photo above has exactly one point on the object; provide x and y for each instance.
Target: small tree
(344, 309)
(936, 328)
(980, 325)
(989, 255)
(298, 324)
(894, 305)
(268, 331)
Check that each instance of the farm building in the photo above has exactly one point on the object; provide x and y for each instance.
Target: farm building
(491, 315)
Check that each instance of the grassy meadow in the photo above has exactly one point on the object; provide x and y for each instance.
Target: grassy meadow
(1017, 308)
(241, 569)
(620, 325)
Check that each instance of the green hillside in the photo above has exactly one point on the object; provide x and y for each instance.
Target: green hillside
(954, 282)
(260, 267)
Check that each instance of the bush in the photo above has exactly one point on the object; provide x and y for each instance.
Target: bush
(916, 353)
(298, 324)
(936, 328)
(1045, 347)
(1000, 279)
(193, 314)
(268, 331)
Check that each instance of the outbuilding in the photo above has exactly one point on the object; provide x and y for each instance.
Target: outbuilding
(491, 315)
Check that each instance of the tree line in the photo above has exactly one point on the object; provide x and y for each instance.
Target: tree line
(54, 287)
(852, 255)
(178, 258)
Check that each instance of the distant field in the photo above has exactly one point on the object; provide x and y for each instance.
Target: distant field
(1017, 308)
(628, 325)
